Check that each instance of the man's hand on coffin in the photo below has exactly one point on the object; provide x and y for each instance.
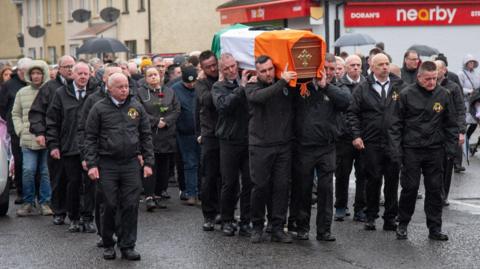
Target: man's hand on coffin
(322, 82)
(288, 75)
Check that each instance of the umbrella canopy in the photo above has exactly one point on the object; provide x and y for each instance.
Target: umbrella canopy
(354, 39)
(424, 50)
(102, 45)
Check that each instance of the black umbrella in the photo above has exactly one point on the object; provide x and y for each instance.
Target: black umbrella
(424, 50)
(102, 45)
(354, 39)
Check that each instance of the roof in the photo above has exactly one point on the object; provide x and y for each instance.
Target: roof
(92, 31)
(236, 3)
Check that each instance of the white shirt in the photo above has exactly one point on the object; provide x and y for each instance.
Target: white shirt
(378, 88)
(353, 81)
(116, 102)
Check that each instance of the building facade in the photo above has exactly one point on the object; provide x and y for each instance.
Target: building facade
(10, 14)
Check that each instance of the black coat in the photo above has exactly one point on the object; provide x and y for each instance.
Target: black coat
(344, 128)
(38, 110)
(316, 116)
(456, 93)
(7, 98)
(118, 132)
(206, 115)
(62, 120)
(424, 120)
(232, 107)
(271, 113)
(409, 76)
(167, 107)
(368, 116)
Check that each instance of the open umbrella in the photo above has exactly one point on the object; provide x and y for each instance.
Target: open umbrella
(424, 50)
(354, 39)
(102, 45)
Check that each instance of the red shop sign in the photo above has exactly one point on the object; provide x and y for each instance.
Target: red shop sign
(412, 13)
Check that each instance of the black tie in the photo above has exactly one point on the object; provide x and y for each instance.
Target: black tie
(81, 94)
(384, 93)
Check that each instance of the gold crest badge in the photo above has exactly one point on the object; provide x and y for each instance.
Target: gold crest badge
(437, 107)
(132, 113)
(395, 96)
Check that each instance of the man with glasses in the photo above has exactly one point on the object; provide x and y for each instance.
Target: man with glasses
(410, 66)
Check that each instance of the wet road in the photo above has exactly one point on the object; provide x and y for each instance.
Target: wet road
(173, 238)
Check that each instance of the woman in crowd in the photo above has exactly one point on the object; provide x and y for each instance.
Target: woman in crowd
(470, 80)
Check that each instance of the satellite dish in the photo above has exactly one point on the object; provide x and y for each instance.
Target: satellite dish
(110, 14)
(36, 31)
(81, 15)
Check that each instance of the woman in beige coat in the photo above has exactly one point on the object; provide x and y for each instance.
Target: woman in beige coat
(34, 153)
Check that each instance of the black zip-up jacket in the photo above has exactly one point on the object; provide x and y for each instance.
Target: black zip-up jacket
(424, 120)
(205, 112)
(62, 120)
(458, 100)
(38, 110)
(271, 113)
(168, 107)
(409, 76)
(232, 107)
(316, 115)
(7, 99)
(118, 132)
(368, 116)
(344, 129)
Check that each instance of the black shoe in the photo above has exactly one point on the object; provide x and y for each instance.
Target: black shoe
(268, 230)
(326, 236)
(165, 195)
(446, 203)
(19, 200)
(208, 225)
(439, 236)
(402, 232)
(89, 227)
(58, 220)
(183, 196)
(389, 225)
(109, 253)
(419, 196)
(301, 235)
(228, 229)
(130, 254)
(256, 236)
(360, 216)
(159, 203)
(370, 225)
(281, 236)
(74, 227)
(100, 243)
(150, 204)
(347, 212)
(459, 169)
(245, 230)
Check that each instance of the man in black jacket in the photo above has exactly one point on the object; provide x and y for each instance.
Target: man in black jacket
(410, 66)
(370, 115)
(424, 130)
(7, 99)
(347, 155)
(232, 130)
(270, 133)
(205, 122)
(62, 141)
(118, 142)
(38, 126)
(316, 133)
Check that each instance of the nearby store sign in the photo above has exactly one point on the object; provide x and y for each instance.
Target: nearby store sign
(412, 13)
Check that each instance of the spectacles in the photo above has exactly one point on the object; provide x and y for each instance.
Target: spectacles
(160, 66)
(412, 59)
(67, 66)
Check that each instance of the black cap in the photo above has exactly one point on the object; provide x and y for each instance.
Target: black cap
(189, 74)
(442, 58)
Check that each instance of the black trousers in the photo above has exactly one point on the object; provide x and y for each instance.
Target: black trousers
(121, 186)
(428, 162)
(307, 160)
(447, 176)
(270, 170)
(233, 163)
(80, 190)
(59, 186)
(18, 159)
(346, 157)
(179, 168)
(459, 156)
(211, 182)
(378, 164)
(158, 182)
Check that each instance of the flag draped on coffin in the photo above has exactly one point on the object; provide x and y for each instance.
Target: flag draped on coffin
(245, 45)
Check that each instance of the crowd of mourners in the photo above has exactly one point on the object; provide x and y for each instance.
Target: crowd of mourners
(90, 140)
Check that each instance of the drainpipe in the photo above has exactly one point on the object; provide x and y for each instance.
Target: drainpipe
(337, 26)
(327, 23)
(149, 28)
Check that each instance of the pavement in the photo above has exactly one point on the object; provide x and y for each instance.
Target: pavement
(173, 238)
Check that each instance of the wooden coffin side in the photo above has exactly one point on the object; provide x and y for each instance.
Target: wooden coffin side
(307, 57)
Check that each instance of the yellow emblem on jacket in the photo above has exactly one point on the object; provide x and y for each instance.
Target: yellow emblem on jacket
(437, 107)
(132, 113)
(395, 96)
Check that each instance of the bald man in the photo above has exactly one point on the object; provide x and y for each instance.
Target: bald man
(62, 142)
(38, 126)
(370, 116)
(118, 143)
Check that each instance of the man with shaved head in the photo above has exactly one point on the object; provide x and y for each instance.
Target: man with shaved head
(38, 127)
(370, 116)
(118, 142)
(457, 98)
(61, 135)
(347, 155)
